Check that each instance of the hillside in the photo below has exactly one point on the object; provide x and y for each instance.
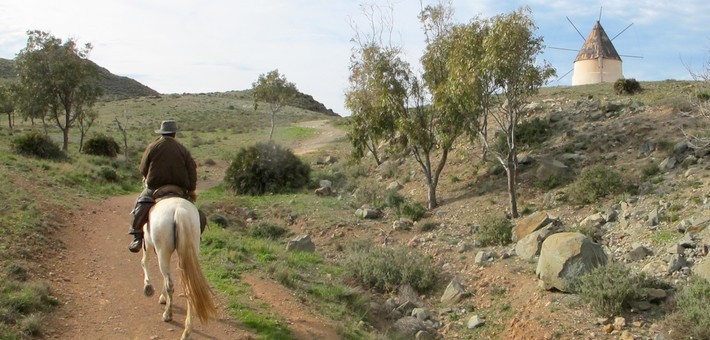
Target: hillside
(656, 222)
(117, 87)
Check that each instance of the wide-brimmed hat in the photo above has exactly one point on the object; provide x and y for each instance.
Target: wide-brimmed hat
(167, 127)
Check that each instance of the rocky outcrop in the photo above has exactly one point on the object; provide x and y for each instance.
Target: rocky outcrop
(565, 256)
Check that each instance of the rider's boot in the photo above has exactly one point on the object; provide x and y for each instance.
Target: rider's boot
(140, 217)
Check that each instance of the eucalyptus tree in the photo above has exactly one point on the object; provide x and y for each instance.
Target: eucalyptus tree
(56, 78)
(7, 104)
(431, 126)
(375, 78)
(391, 103)
(273, 89)
(511, 49)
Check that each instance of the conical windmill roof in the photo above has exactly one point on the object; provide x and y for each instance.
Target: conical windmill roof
(597, 45)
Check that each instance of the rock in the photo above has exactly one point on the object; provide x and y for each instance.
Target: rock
(453, 294)
(407, 293)
(394, 186)
(421, 313)
(655, 268)
(424, 335)
(324, 183)
(551, 168)
(324, 191)
(367, 213)
(529, 224)
(668, 164)
(593, 221)
(406, 308)
(409, 326)
(301, 243)
(330, 160)
(652, 219)
(652, 294)
(219, 220)
(619, 323)
(703, 269)
(565, 256)
(676, 262)
(475, 321)
(626, 335)
(402, 224)
(530, 245)
(637, 254)
(483, 256)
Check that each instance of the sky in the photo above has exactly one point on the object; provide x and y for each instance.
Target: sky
(190, 46)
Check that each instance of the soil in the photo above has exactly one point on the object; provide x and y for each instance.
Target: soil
(100, 284)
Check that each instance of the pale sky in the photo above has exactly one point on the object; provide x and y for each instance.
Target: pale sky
(183, 46)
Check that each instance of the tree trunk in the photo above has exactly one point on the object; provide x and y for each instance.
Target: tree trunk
(512, 171)
(273, 123)
(430, 182)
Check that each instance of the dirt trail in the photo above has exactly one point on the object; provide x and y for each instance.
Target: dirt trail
(100, 283)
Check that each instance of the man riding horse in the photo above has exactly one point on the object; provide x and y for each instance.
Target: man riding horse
(165, 164)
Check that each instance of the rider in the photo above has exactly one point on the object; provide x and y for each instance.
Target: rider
(165, 162)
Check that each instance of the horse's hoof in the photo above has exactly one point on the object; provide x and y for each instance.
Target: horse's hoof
(148, 290)
(162, 300)
(167, 318)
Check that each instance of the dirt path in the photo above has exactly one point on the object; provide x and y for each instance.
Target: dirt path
(326, 133)
(100, 283)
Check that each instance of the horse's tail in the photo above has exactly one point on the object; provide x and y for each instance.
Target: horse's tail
(193, 281)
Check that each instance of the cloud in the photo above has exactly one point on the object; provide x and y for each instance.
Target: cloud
(219, 45)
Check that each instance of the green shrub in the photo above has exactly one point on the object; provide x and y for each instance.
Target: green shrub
(414, 211)
(38, 145)
(396, 201)
(495, 230)
(627, 86)
(595, 183)
(393, 199)
(31, 324)
(650, 170)
(102, 145)
(551, 182)
(266, 168)
(425, 227)
(703, 96)
(337, 179)
(267, 231)
(385, 269)
(532, 132)
(691, 317)
(109, 174)
(607, 289)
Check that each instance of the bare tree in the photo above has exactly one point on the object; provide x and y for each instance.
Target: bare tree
(701, 103)
(123, 130)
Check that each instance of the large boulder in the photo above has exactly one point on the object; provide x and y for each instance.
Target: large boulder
(550, 168)
(565, 256)
(529, 246)
(529, 224)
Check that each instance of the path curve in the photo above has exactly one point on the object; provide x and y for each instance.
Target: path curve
(100, 283)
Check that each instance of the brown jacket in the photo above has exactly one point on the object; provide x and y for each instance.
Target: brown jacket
(166, 161)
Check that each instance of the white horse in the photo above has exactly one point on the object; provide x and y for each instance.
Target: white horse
(174, 225)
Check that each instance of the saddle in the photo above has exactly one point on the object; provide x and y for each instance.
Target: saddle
(171, 190)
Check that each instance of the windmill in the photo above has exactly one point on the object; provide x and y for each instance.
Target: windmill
(597, 61)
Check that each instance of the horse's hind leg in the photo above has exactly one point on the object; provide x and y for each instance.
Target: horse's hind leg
(167, 295)
(147, 287)
(188, 322)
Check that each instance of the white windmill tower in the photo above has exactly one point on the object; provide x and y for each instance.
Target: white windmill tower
(597, 60)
